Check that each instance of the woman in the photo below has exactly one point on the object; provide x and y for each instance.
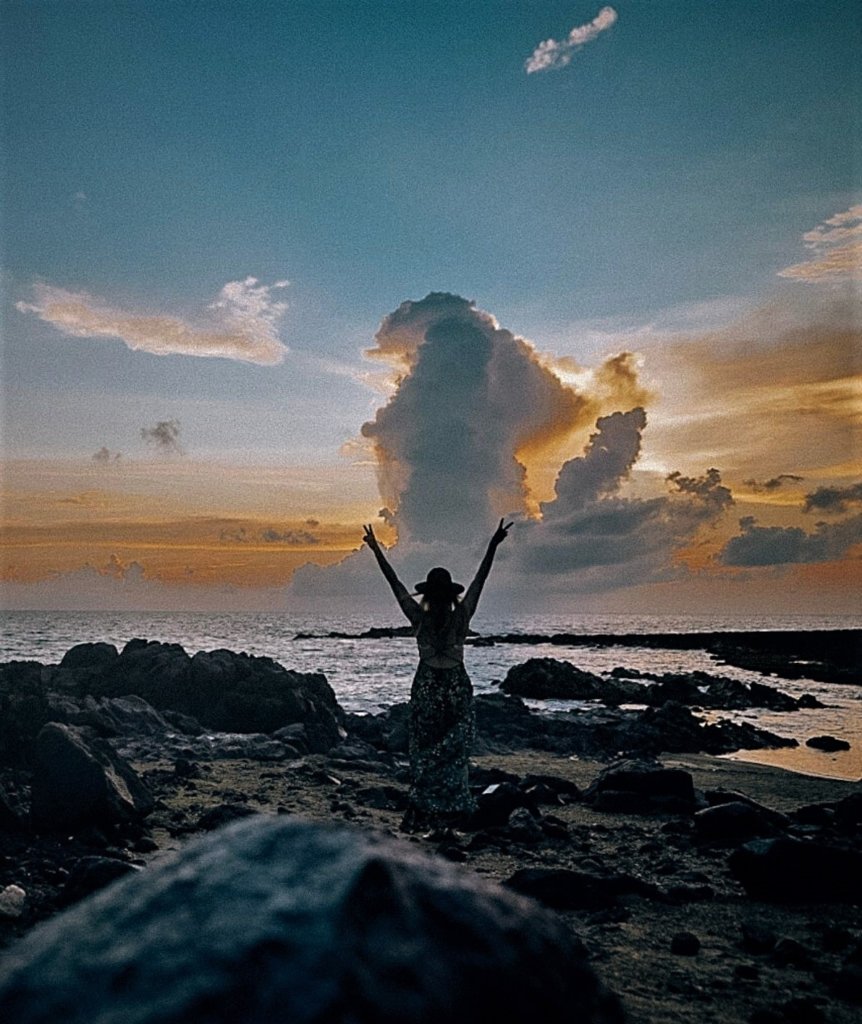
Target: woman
(441, 698)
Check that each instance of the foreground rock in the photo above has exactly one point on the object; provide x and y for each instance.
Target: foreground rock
(284, 920)
(79, 780)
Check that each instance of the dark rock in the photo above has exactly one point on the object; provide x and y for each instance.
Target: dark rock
(827, 743)
(802, 1011)
(79, 780)
(98, 655)
(792, 871)
(735, 821)
(494, 805)
(277, 919)
(846, 983)
(384, 798)
(24, 710)
(757, 939)
(820, 815)
(789, 952)
(690, 893)
(746, 972)
(565, 889)
(543, 678)
(522, 827)
(481, 778)
(13, 815)
(848, 811)
(642, 787)
(222, 814)
(685, 944)
(541, 789)
(90, 874)
(185, 769)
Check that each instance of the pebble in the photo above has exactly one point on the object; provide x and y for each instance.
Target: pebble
(12, 900)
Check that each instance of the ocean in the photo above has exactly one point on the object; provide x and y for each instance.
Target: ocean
(370, 674)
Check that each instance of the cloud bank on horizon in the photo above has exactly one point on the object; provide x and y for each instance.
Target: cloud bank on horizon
(554, 54)
(241, 323)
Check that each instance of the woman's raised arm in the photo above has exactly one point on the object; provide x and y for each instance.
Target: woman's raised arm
(409, 606)
(471, 598)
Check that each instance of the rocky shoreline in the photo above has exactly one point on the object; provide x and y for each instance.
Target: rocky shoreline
(699, 888)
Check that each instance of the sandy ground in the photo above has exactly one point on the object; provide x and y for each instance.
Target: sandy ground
(630, 945)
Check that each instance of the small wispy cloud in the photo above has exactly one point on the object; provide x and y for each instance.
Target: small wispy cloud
(104, 456)
(240, 324)
(553, 53)
(836, 250)
(164, 436)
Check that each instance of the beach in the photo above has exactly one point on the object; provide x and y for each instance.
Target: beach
(635, 849)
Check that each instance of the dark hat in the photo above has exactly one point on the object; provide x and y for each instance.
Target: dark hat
(439, 581)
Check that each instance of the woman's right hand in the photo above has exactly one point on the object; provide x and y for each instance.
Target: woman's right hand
(501, 533)
(369, 537)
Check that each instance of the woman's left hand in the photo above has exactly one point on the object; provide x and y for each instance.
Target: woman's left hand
(369, 537)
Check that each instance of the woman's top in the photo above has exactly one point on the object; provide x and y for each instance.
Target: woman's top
(442, 645)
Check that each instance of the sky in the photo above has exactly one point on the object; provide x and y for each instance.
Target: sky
(274, 270)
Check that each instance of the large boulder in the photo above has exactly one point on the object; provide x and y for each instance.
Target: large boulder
(642, 787)
(78, 780)
(92, 655)
(277, 920)
(790, 870)
(547, 678)
(735, 820)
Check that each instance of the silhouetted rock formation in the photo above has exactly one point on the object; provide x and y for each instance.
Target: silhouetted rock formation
(116, 692)
(551, 678)
(284, 920)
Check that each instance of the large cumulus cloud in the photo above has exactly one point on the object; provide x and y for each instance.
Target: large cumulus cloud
(475, 411)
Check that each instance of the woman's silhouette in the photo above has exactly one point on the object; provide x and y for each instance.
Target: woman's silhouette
(441, 698)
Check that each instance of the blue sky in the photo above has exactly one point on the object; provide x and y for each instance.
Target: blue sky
(372, 152)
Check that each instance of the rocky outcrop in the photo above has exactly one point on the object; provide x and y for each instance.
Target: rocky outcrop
(278, 919)
(543, 678)
(131, 693)
(551, 678)
(78, 780)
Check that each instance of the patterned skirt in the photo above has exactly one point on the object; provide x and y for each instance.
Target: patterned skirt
(442, 728)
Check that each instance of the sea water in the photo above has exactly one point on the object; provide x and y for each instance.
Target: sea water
(370, 674)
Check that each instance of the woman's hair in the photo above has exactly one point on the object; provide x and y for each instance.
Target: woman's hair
(438, 606)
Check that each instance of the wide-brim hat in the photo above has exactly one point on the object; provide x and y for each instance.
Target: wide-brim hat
(439, 581)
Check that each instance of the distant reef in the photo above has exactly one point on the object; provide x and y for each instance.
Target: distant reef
(824, 655)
